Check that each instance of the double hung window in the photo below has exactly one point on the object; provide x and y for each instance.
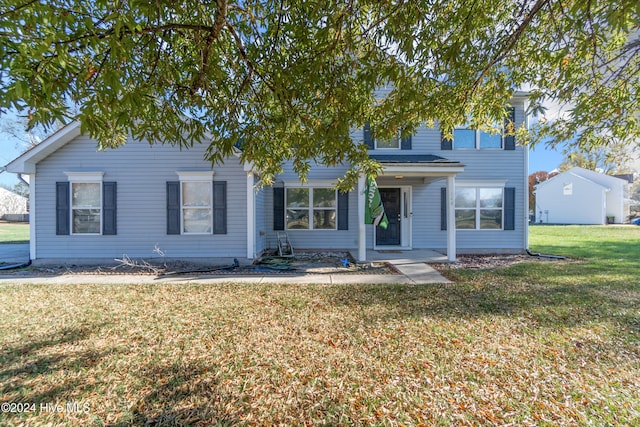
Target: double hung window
(196, 202)
(86, 207)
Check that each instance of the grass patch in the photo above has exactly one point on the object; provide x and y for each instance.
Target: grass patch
(535, 344)
(14, 232)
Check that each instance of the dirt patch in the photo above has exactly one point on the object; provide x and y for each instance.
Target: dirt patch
(485, 262)
(323, 262)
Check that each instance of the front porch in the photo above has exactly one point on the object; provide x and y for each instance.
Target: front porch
(400, 175)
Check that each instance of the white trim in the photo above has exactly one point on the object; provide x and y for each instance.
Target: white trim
(451, 218)
(399, 147)
(485, 183)
(310, 183)
(84, 176)
(251, 217)
(477, 208)
(26, 163)
(76, 180)
(32, 217)
(195, 175)
(310, 208)
(191, 179)
(362, 229)
(406, 229)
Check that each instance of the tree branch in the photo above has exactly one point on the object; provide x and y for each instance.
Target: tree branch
(511, 41)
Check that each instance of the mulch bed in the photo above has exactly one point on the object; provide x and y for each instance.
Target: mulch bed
(485, 262)
(322, 262)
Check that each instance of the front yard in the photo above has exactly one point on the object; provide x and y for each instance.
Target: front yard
(14, 232)
(538, 343)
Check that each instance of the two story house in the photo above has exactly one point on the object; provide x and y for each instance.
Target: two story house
(460, 195)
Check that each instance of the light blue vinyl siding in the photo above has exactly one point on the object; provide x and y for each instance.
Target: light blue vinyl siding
(480, 165)
(141, 172)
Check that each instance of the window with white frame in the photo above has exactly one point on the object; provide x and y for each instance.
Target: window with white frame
(86, 207)
(465, 138)
(311, 208)
(196, 202)
(385, 144)
(479, 208)
(85, 202)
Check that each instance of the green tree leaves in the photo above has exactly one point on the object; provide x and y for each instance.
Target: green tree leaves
(289, 80)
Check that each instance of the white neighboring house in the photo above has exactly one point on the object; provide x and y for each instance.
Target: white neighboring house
(13, 207)
(581, 196)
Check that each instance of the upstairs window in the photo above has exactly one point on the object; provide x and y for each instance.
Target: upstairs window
(386, 144)
(465, 138)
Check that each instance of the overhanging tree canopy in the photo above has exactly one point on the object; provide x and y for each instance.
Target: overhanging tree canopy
(288, 80)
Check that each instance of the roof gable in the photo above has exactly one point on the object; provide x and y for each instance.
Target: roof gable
(26, 162)
(599, 179)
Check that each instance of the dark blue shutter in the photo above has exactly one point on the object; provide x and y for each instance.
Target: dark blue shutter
(368, 138)
(510, 140)
(278, 208)
(405, 143)
(220, 207)
(445, 143)
(443, 208)
(343, 211)
(62, 208)
(509, 208)
(173, 207)
(109, 206)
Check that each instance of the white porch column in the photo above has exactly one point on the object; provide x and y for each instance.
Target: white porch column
(32, 216)
(251, 217)
(362, 230)
(451, 218)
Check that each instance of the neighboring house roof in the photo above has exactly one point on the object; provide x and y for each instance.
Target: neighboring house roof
(12, 203)
(599, 179)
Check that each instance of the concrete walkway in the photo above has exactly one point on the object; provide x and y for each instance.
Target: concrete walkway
(411, 264)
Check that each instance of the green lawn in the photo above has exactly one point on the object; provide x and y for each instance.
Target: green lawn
(539, 343)
(14, 232)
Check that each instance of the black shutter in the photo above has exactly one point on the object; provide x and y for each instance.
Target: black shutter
(109, 207)
(278, 208)
(343, 211)
(509, 208)
(443, 208)
(445, 143)
(405, 143)
(368, 138)
(173, 207)
(62, 208)
(510, 140)
(220, 207)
